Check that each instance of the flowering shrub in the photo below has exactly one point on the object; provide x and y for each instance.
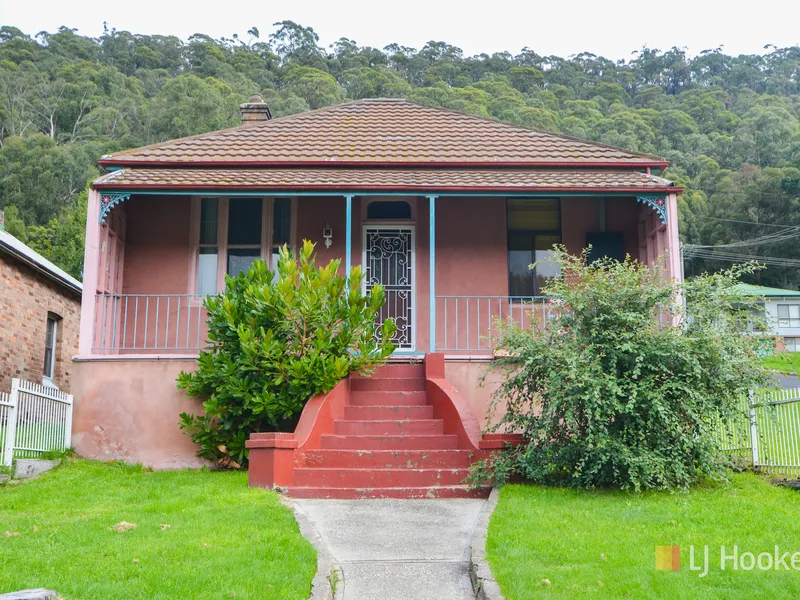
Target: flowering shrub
(625, 383)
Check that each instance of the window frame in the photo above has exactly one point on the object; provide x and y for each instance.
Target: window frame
(223, 213)
(266, 233)
(533, 234)
(270, 255)
(51, 324)
(788, 322)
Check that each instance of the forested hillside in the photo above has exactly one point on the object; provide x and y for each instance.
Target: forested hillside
(729, 125)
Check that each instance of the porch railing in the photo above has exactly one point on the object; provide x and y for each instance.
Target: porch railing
(131, 323)
(469, 323)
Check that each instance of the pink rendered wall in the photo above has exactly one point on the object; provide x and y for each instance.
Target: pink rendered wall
(578, 216)
(313, 215)
(157, 261)
(91, 257)
(621, 217)
(468, 378)
(128, 410)
(471, 260)
(157, 245)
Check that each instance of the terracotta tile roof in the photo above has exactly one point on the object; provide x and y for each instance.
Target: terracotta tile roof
(399, 179)
(381, 132)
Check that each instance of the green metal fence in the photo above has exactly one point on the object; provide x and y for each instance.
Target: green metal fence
(764, 431)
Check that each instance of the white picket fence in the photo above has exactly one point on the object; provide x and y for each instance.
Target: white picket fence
(765, 431)
(33, 420)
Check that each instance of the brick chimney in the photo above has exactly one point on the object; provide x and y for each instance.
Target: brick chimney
(255, 111)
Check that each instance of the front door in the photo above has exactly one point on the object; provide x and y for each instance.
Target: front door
(388, 259)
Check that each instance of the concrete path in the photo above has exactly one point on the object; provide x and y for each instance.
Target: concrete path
(398, 549)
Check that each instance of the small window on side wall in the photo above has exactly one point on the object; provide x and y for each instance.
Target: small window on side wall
(788, 315)
(50, 350)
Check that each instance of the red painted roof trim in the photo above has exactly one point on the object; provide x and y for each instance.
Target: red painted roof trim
(393, 188)
(108, 162)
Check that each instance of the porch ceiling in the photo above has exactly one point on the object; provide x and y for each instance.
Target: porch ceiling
(414, 180)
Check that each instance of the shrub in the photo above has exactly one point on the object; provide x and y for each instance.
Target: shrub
(624, 385)
(276, 340)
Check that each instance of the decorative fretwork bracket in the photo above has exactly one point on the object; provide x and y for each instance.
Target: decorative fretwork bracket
(657, 203)
(109, 201)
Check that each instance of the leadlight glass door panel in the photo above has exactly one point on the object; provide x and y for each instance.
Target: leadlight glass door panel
(389, 260)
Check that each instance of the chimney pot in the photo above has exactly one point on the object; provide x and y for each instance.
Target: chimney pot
(255, 111)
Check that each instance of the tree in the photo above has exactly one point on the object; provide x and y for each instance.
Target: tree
(526, 79)
(39, 177)
(297, 44)
(316, 87)
(61, 241)
(124, 89)
(765, 135)
(187, 105)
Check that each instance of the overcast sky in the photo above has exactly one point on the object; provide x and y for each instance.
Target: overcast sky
(611, 28)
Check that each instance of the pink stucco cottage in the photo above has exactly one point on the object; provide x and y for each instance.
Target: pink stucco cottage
(445, 209)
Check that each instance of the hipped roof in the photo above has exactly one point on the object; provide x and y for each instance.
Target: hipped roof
(381, 132)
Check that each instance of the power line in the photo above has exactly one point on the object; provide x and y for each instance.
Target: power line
(771, 238)
(746, 222)
(729, 256)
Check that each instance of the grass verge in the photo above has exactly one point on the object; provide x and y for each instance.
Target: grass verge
(198, 534)
(784, 362)
(564, 543)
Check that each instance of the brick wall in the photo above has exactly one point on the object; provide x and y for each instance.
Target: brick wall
(26, 298)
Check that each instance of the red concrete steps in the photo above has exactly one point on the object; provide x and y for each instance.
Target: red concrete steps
(388, 442)
(385, 441)
(395, 371)
(389, 427)
(378, 478)
(387, 385)
(388, 398)
(422, 493)
(387, 413)
(387, 459)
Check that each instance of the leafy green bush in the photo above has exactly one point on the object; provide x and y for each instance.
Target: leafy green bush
(624, 385)
(276, 340)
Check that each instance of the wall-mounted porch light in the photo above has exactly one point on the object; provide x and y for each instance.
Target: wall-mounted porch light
(327, 233)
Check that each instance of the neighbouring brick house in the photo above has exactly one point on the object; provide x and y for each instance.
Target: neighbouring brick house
(40, 316)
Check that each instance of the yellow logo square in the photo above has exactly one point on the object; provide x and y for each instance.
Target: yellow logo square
(668, 558)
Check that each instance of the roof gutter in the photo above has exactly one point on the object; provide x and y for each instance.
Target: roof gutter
(441, 190)
(110, 162)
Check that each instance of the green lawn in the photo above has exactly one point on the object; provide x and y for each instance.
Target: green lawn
(785, 362)
(198, 535)
(602, 544)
